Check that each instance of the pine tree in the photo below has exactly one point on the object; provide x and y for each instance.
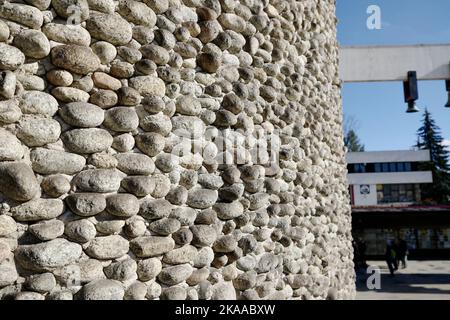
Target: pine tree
(352, 142)
(429, 138)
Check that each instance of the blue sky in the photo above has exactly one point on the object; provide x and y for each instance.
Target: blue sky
(379, 107)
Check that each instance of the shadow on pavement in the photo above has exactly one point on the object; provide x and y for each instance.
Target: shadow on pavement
(406, 283)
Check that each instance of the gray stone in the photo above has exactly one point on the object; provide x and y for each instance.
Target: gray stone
(267, 263)
(209, 62)
(148, 85)
(32, 43)
(80, 231)
(82, 114)
(47, 230)
(10, 146)
(121, 119)
(63, 9)
(8, 226)
(109, 27)
(48, 255)
(188, 126)
(244, 281)
(4, 31)
(17, 181)
(155, 208)
(225, 244)
(151, 246)
(204, 258)
(185, 215)
(55, 185)
(98, 180)
(158, 6)
(155, 53)
(105, 51)
(104, 81)
(185, 254)
(109, 227)
(89, 270)
(42, 283)
(60, 295)
(69, 94)
(36, 131)
(38, 209)
(183, 236)
(158, 123)
(148, 269)
(135, 163)
(8, 82)
(223, 291)
(177, 195)
(67, 34)
(9, 111)
(165, 226)
(140, 186)
(136, 291)
(137, 12)
(150, 143)
(153, 291)
(188, 105)
(210, 181)
(123, 142)
(27, 295)
(27, 15)
(105, 6)
(122, 205)
(39, 103)
(203, 235)
(90, 140)
(202, 198)
(227, 211)
(121, 270)
(131, 55)
(135, 227)
(174, 293)
(75, 58)
(61, 78)
(8, 272)
(102, 289)
(109, 247)
(175, 275)
(11, 58)
(128, 96)
(46, 161)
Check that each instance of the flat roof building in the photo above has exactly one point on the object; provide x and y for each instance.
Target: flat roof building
(387, 177)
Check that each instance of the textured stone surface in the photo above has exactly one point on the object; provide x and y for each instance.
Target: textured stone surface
(134, 151)
(48, 255)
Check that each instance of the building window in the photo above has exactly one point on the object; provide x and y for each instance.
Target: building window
(397, 193)
(383, 167)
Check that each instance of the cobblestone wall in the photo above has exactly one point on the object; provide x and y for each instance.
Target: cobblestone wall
(172, 149)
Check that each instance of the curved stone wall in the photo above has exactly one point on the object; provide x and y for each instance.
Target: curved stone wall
(172, 149)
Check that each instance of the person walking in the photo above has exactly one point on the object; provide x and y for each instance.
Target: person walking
(390, 256)
(402, 253)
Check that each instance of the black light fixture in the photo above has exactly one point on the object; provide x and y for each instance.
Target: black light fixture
(447, 86)
(411, 92)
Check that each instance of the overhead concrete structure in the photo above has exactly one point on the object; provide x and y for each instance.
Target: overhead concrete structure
(391, 63)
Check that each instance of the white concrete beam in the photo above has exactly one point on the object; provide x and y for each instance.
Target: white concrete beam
(390, 178)
(391, 63)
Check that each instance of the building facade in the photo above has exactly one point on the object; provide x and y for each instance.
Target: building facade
(387, 177)
(385, 189)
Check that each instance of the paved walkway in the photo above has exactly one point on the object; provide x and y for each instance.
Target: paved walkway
(421, 280)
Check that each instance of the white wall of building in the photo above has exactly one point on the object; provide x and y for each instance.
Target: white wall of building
(388, 156)
(362, 198)
(390, 178)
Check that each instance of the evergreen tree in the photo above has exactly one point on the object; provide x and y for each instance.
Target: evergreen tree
(429, 138)
(352, 142)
